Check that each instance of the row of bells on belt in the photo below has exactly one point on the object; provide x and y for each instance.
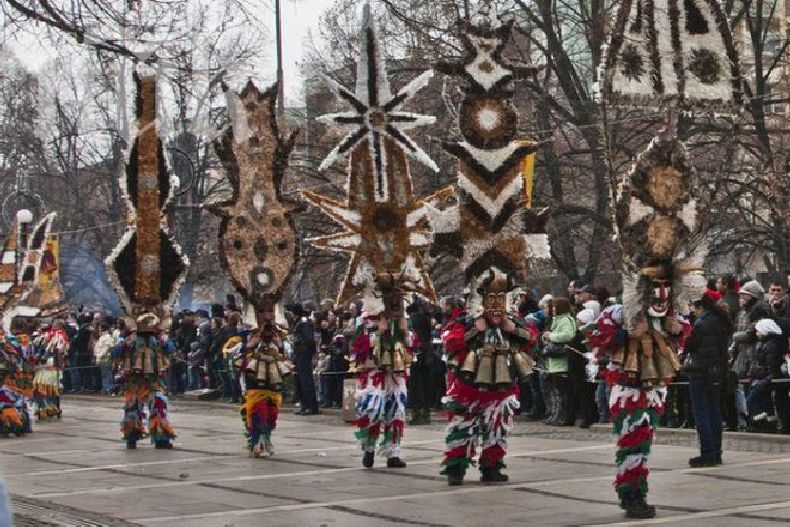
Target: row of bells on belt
(268, 369)
(649, 359)
(396, 360)
(146, 360)
(489, 367)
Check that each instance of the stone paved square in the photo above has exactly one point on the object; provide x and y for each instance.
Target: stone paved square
(77, 472)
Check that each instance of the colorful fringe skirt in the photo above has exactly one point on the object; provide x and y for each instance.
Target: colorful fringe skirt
(46, 393)
(13, 413)
(635, 413)
(259, 415)
(141, 390)
(478, 416)
(381, 407)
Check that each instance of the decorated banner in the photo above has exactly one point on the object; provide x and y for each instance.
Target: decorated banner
(49, 272)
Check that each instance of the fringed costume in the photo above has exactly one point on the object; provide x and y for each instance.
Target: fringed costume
(27, 366)
(690, 65)
(14, 417)
(486, 361)
(51, 350)
(263, 368)
(385, 229)
(146, 268)
(382, 359)
(143, 359)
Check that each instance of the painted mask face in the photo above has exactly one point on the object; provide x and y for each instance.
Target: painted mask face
(495, 300)
(660, 300)
(494, 304)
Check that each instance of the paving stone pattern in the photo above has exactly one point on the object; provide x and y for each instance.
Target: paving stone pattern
(77, 473)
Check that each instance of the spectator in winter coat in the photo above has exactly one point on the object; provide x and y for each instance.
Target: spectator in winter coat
(706, 350)
(562, 333)
(752, 308)
(304, 344)
(102, 353)
(769, 357)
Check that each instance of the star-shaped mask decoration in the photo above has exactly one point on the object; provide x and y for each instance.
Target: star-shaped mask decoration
(484, 39)
(385, 227)
(375, 114)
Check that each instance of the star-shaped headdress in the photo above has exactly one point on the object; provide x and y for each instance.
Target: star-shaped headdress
(385, 226)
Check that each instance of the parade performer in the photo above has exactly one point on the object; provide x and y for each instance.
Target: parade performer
(259, 248)
(146, 268)
(144, 358)
(385, 229)
(14, 417)
(51, 348)
(263, 368)
(690, 66)
(487, 359)
(382, 354)
(27, 364)
(494, 232)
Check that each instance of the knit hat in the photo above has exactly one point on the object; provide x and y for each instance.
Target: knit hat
(767, 326)
(753, 289)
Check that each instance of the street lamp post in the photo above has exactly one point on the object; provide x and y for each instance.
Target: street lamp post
(279, 38)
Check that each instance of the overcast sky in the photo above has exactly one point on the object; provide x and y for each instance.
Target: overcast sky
(298, 17)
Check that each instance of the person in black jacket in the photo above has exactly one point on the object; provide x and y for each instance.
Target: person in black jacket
(706, 361)
(304, 350)
(769, 356)
(421, 385)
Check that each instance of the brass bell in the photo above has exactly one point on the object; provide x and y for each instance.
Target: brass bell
(664, 367)
(667, 350)
(502, 371)
(285, 368)
(485, 370)
(631, 365)
(524, 363)
(138, 360)
(398, 364)
(148, 361)
(274, 374)
(408, 358)
(649, 374)
(385, 359)
(618, 356)
(259, 367)
(470, 363)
